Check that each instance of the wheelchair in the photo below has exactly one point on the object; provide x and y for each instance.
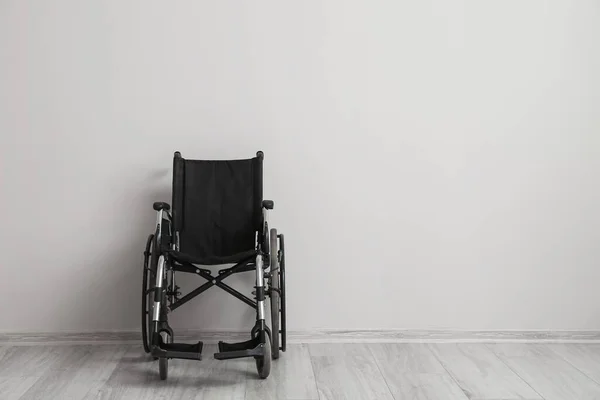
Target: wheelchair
(218, 216)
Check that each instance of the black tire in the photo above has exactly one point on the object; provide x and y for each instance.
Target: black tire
(163, 368)
(263, 364)
(154, 256)
(163, 362)
(283, 327)
(274, 286)
(146, 301)
(265, 245)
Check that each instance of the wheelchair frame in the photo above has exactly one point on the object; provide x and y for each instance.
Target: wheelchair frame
(161, 267)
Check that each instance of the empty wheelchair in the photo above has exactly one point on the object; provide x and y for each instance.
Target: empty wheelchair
(218, 216)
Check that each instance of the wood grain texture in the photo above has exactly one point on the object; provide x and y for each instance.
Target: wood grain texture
(212, 379)
(345, 371)
(79, 371)
(585, 358)
(480, 373)
(340, 350)
(407, 358)
(51, 388)
(423, 386)
(15, 388)
(550, 375)
(316, 371)
(444, 336)
(314, 336)
(31, 361)
(292, 377)
(136, 377)
(412, 372)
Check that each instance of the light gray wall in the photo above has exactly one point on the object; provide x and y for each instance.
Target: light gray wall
(434, 164)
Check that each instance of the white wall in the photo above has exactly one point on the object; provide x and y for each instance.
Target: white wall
(434, 164)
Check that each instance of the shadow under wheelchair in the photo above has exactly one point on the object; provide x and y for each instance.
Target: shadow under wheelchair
(139, 371)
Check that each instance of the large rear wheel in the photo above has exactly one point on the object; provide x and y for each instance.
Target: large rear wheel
(147, 284)
(283, 327)
(274, 292)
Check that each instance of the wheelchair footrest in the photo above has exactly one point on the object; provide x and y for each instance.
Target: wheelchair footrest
(180, 350)
(250, 348)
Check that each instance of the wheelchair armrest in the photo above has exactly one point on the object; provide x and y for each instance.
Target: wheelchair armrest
(159, 205)
(268, 204)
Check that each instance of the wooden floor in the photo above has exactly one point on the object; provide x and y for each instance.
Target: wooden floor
(310, 371)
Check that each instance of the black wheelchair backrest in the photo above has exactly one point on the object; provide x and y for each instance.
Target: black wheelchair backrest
(217, 205)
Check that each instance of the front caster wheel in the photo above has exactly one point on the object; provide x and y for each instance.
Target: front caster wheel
(163, 362)
(163, 368)
(263, 364)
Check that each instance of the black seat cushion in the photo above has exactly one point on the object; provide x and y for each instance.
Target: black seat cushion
(211, 259)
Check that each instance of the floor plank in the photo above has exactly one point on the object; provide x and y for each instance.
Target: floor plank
(88, 363)
(346, 371)
(585, 358)
(291, 378)
(27, 361)
(480, 373)
(15, 388)
(340, 350)
(315, 371)
(549, 374)
(80, 370)
(412, 372)
(49, 388)
(411, 358)
(212, 379)
(136, 377)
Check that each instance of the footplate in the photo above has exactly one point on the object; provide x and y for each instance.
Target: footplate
(250, 348)
(179, 350)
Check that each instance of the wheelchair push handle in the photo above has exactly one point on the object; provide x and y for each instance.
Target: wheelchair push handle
(268, 204)
(259, 154)
(159, 205)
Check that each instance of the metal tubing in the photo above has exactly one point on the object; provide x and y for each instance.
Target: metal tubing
(160, 271)
(260, 282)
(191, 295)
(237, 294)
(159, 218)
(214, 281)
